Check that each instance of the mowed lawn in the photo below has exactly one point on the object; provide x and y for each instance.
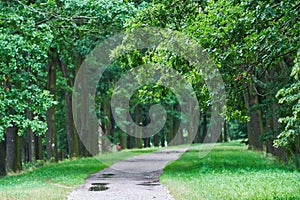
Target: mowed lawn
(230, 171)
(55, 181)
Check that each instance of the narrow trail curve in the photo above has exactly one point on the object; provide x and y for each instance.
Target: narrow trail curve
(134, 178)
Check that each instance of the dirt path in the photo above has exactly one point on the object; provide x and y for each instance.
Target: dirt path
(134, 178)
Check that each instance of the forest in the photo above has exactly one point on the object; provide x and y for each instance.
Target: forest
(254, 45)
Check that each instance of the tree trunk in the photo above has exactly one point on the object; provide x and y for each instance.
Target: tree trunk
(3, 157)
(130, 139)
(146, 142)
(88, 136)
(38, 148)
(163, 140)
(204, 127)
(138, 122)
(31, 146)
(82, 150)
(191, 123)
(254, 127)
(51, 135)
(199, 133)
(170, 133)
(220, 140)
(178, 134)
(107, 125)
(130, 142)
(156, 140)
(51, 147)
(13, 151)
(122, 139)
(31, 141)
(272, 124)
(225, 132)
(71, 134)
(24, 149)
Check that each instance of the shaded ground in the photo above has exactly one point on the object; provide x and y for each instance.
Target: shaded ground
(133, 178)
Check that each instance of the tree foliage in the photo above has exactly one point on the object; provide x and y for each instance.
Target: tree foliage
(290, 98)
(23, 60)
(252, 43)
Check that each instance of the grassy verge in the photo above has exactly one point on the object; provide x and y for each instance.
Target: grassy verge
(55, 181)
(230, 171)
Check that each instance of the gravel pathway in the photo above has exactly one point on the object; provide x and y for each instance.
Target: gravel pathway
(134, 178)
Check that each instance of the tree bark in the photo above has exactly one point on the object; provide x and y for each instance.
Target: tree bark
(204, 127)
(51, 147)
(31, 141)
(225, 132)
(254, 127)
(71, 134)
(13, 151)
(163, 140)
(146, 142)
(130, 142)
(170, 132)
(272, 124)
(38, 148)
(156, 140)
(85, 131)
(82, 150)
(130, 139)
(138, 122)
(3, 157)
(107, 125)
(178, 134)
(191, 123)
(122, 139)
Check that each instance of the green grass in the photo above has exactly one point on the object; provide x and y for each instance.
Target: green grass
(230, 171)
(55, 181)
